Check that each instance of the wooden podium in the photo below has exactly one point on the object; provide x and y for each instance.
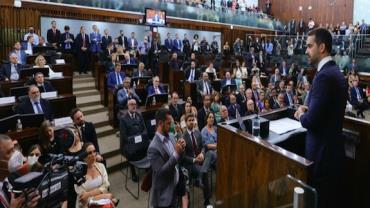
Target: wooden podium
(246, 163)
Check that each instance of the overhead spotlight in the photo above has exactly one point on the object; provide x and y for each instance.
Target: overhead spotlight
(17, 3)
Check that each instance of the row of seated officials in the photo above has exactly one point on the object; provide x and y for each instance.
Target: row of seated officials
(75, 139)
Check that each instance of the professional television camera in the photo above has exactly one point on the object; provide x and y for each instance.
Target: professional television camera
(52, 183)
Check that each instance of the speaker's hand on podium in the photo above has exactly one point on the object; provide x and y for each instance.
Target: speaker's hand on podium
(301, 110)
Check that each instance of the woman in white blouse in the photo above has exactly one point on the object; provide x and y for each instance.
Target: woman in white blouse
(40, 62)
(96, 184)
(211, 69)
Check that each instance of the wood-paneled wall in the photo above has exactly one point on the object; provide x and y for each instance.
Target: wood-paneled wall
(14, 22)
(323, 11)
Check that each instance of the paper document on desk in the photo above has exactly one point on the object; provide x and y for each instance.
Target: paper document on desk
(284, 125)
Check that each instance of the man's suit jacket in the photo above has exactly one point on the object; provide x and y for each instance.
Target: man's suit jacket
(354, 100)
(112, 81)
(232, 110)
(201, 116)
(223, 82)
(47, 87)
(123, 97)
(168, 43)
(200, 87)
(25, 45)
(123, 41)
(190, 153)
(273, 103)
(79, 42)
(5, 71)
(105, 41)
(89, 134)
(63, 38)
(95, 39)
(177, 46)
(52, 37)
(176, 112)
(274, 79)
(151, 90)
(175, 64)
(324, 120)
(143, 73)
(196, 75)
(164, 180)
(132, 127)
(26, 107)
(22, 56)
(129, 40)
(132, 61)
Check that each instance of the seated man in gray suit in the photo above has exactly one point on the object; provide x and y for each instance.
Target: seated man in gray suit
(165, 154)
(204, 86)
(194, 156)
(132, 125)
(126, 93)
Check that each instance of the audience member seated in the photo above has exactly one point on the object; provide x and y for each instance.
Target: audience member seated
(289, 95)
(193, 108)
(96, 186)
(31, 32)
(156, 88)
(175, 108)
(276, 77)
(211, 69)
(132, 125)
(116, 77)
(141, 72)
(28, 45)
(273, 100)
(261, 102)
(216, 105)
(204, 111)
(281, 86)
(188, 108)
(192, 74)
(34, 104)
(209, 136)
(234, 107)
(250, 108)
(126, 93)
(17, 49)
(128, 59)
(353, 76)
(43, 43)
(227, 80)
(40, 62)
(280, 100)
(204, 86)
(241, 96)
(44, 86)
(174, 63)
(86, 130)
(224, 114)
(194, 156)
(358, 99)
(284, 71)
(47, 140)
(11, 71)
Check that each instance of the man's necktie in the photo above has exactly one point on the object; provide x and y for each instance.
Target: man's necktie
(39, 110)
(195, 147)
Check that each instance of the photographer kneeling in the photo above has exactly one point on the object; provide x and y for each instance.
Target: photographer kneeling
(95, 189)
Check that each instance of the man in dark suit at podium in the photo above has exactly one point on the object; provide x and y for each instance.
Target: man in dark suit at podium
(34, 104)
(323, 119)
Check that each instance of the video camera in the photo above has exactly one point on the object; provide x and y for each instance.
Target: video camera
(53, 182)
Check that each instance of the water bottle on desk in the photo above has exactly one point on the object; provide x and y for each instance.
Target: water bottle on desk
(256, 126)
(154, 101)
(19, 125)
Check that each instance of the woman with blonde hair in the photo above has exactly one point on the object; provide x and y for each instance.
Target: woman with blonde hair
(40, 62)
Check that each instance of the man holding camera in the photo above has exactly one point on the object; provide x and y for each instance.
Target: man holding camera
(165, 154)
(9, 199)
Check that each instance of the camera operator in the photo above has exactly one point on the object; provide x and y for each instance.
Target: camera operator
(96, 185)
(13, 159)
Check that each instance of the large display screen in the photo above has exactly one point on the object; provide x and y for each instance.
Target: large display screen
(155, 17)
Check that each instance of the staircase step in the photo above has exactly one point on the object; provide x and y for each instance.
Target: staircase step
(88, 99)
(84, 84)
(97, 117)
(108, 143)
(105, 131)
(81, 105)
(83, 80)
(78, 75)
(87, 93)
(83, 89)
(116, 163)
(95, 109)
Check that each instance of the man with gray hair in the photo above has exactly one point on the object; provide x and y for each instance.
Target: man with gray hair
(11, 71)
(34, 104)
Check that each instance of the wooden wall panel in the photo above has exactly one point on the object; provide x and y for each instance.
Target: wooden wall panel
(15, 21)
(323, 11)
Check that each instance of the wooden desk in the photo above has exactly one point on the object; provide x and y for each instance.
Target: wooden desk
(64, 85)
(66, 69)
(61, 106)
(164, 72)
(176, 80)
(245, 164)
